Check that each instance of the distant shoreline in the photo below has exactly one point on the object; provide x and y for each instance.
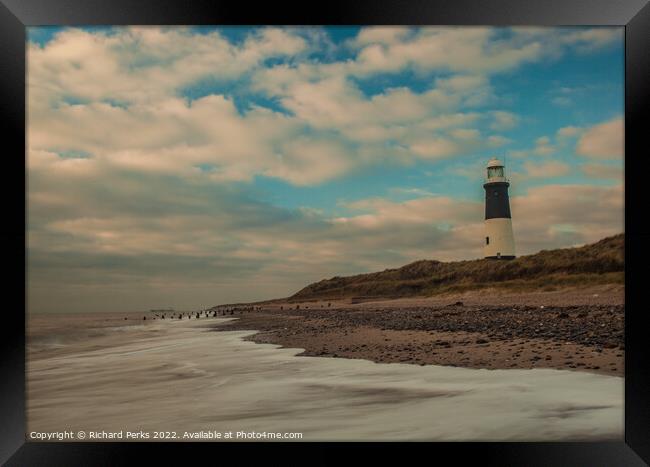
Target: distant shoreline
(571, 329)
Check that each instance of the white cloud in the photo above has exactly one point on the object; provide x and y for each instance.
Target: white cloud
(546, 169)
(603, 141)
(128, 112)
(380, 35)
(568, 131)
(174, 136)
(465, 134)
(579, 39)
(591, 39)
(503, 120)
(467, 49)
(541, 216)
(496, 141)
(434, 148)
(603, 171)
(543, 146)
(518, 153)
(438, 122)
(136, 64)
(470, 49)
(308, 162)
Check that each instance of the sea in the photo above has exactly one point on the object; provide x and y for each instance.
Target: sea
(99, 377)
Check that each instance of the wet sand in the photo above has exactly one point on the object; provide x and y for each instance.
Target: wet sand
(580, 330)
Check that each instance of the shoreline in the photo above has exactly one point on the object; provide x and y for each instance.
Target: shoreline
(580, 330)
(124, 375)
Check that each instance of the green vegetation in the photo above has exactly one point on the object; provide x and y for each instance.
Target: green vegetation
(594, 264)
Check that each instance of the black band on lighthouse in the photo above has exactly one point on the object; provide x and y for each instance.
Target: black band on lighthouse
(497, 204)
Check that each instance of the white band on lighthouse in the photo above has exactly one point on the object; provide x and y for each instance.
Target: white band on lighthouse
(499, 240)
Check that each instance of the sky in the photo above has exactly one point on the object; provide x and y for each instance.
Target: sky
(187, 167)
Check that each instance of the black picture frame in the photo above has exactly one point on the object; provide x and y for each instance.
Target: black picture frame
(16, 15)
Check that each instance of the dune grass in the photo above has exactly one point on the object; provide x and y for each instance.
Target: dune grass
(597, 263)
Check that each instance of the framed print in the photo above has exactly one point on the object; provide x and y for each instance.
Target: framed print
(380, 222)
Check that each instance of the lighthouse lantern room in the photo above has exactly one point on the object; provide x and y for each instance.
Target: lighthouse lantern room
(499, 240)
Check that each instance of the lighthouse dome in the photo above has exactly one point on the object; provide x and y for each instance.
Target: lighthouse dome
(494, 162)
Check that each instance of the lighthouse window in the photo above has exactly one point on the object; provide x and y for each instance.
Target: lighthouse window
(487, 240)
(495, 172)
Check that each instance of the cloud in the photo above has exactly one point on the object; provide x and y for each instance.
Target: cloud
(307, 162)
(603, 141)
(87, 87)
(582, 40)
(602, 171)
(496, 141)
(438, 122)
(568, 131)
(424, 124)
(592, 39)
(558, 215)
(562, 101)
(503, 120)
(380, 35)
(435, 148)
(174, 137)
(546, 169)
(419, 192)
(543, 146)
(135, 64)
(519, 153)
(326, 99)
(470, 49)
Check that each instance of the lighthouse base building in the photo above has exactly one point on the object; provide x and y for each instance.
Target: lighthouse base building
(499, 239)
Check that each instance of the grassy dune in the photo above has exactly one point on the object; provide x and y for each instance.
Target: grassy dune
(598, 263)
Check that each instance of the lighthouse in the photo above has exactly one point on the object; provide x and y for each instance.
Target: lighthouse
(499, 240)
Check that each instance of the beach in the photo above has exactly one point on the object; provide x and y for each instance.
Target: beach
(574, 329)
